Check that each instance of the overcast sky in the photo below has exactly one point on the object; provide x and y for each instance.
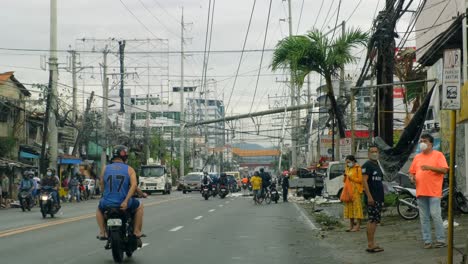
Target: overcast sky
(26, 26)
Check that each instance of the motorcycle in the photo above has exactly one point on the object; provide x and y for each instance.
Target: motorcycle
(274, 193)
(47, 202)
(223, 191)
(244, 189)
(205, 191)
(119, 226)
(214, 190)
(407, 204)
(25, 199)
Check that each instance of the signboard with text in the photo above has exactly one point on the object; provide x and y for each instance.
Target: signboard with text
(451, 74)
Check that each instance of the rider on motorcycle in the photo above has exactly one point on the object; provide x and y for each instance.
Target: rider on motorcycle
(51, 181)
(206, 180)
(118, 182)
(223, 179)
(26, 184)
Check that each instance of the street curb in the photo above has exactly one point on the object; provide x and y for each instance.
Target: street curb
(306, 218)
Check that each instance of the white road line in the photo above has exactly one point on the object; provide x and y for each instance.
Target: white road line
(198, 217)
(176, 228)
(227, 202)
(305, 218)
(144, 245)
(221, 205)
(212, 210)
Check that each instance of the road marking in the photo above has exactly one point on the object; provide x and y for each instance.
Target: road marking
(175, 229)
(227, 202)
(221, 205)
(305, 218)
(198, 217)
(56, 221)
(212, 210)
(142, 246)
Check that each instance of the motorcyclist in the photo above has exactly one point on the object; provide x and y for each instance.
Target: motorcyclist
(223, 179)
(118, 182)
(206, 180)
(51, 182)
(26, 184)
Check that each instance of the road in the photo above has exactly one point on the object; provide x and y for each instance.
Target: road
(180, 229)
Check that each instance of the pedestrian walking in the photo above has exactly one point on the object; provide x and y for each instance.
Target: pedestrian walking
(353, 208)
(73, 188)
(372, 177)
(285, 187)
(5, 188)
(427, 171)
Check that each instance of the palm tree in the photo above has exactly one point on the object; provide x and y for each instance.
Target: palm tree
(315, 52)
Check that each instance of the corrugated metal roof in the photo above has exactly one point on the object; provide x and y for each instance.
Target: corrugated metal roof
(10, 76)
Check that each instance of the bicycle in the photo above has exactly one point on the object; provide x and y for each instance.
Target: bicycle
(258, 198)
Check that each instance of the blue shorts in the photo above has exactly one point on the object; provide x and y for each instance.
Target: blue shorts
(132, 206)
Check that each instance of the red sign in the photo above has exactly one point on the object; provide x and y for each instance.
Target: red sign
(398, 93)
(358, 133)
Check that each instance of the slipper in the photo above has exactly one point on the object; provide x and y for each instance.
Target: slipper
(102, 238)
(138, 237)
(375, 250)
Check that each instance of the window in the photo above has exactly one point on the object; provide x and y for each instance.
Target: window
(140, 116)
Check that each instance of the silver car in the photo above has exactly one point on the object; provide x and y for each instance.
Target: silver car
(192, 182)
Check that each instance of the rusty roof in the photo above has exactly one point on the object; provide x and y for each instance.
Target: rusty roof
(10, 76)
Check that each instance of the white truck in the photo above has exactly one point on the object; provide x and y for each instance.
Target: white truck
(154, 178)
(328, 182)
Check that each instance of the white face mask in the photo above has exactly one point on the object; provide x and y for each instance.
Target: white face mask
(350, 164)
(374, 156)
(422, 146)
(49, 174)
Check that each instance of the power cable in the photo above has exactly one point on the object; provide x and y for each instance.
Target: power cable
(354, 10)
(157, 19)
(337, 17)
(139, 21)
(242, 54)
(319, 12)
(300, 17)
(328, 13)
(205, 66)
(261, 58)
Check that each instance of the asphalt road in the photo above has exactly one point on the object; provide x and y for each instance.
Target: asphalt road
(180, 229)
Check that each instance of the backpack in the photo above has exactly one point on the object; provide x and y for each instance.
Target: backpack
(205, 179)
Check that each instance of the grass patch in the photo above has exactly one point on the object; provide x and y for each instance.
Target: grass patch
(390, 199)
(327, 222)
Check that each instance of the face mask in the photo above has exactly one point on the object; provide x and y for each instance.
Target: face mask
(374, 156)
(350, 164)
(49, 174)
(423, 146)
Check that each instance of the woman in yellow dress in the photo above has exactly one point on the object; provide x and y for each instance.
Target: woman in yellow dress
(353, 209)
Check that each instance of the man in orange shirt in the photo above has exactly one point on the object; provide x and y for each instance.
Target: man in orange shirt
(427, 171)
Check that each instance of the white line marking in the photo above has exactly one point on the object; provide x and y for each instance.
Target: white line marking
(227, 202)
(221, 205)
(198, 217)
(144, 245)
(212, 210)
(176, 228)
(304, 218)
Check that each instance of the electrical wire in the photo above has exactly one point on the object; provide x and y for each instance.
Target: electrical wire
(318, 14)
(139, 21)
(242, 54)
(354, 10)
(205, 66)
(300, 17)
(157, 19)
(326, 18)
(261, 58)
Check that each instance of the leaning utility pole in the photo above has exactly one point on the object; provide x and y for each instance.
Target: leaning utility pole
(385, 65)
(53, 72)
(182, 116)
(105, 90)
(147, 125)
(295, 116)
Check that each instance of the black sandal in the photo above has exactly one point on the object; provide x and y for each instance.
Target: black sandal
(102, 238)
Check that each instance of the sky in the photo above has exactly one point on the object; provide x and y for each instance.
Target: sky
(28, 28)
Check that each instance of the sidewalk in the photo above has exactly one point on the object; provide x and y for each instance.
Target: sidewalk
(400, 238)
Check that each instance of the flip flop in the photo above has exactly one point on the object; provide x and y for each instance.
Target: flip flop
(102, 238)
(375, 250)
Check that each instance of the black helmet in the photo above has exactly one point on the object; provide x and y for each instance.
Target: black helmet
(223, 174)
(28, 174)
(121, 152)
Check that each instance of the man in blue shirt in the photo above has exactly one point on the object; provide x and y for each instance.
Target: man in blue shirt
(118, 182)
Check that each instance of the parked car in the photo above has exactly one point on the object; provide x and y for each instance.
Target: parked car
(192, 182)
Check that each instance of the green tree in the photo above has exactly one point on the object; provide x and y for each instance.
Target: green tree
(315, 52)
(158, 147)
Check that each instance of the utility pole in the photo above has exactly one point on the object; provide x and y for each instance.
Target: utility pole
(75, 86)
(385, 66)
(105, 89)
(45, 130)
(147, 137)
(182, 116)
(53, 78)
(341, 93)
(294, 115)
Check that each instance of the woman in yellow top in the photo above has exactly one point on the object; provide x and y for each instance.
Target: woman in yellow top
(256, 182)
(353, 209)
